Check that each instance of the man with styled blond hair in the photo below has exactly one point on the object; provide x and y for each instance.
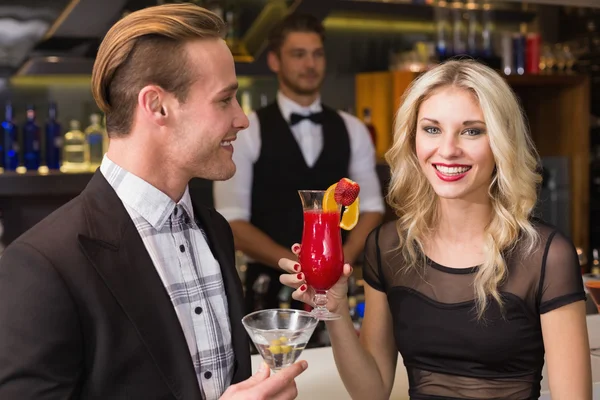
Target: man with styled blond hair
(130, 290)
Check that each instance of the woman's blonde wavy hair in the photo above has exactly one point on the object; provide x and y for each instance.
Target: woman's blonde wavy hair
(512, 192)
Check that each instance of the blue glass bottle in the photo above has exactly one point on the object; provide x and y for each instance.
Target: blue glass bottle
(53, 139)
(2, 151)
(31, 142)
(10, 138)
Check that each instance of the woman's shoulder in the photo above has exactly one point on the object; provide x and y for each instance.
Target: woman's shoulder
(549, 239)
(548, 232)
(383, 238)
(384, 231)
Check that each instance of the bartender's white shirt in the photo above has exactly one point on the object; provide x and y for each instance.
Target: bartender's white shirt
(233, 197)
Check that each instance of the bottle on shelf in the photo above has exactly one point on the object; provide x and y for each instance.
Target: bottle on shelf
(474, 30)
(264, 100)
(595, 270)
(2, 245)
(246, 102)
(507, 53)
(95, 142)
(487, 30)
(31, 141)
(216, 7)
(356, 321)
(53, 139)
(232, 35)
(105, 137)
(582, 258)
(360, 313)
(459, 29)
(532, 53)
(443, 30)
(74, 150)
(10, 134)
(519, 46)
(260, 288)
(352, 303)
(285, 297)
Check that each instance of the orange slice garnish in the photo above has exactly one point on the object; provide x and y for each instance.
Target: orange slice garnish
(329, 204)
(350, 215)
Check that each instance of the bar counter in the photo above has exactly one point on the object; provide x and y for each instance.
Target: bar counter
(321, 379)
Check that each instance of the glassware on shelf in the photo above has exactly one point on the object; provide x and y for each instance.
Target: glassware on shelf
(559, 55)
(593, 288)
(547, 59)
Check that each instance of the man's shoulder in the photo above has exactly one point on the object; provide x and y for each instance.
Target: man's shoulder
(59, 230)
(216, 219)
(219, 220)
(349, 119)
(266, 110)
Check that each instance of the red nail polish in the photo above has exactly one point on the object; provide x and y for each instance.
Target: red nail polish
(297, 267)
(299, 276)
(302, 288)
(296, 248)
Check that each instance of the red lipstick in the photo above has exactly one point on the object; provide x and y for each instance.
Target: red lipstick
(453, 177)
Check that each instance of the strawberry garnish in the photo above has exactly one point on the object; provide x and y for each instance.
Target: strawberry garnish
(346, 192)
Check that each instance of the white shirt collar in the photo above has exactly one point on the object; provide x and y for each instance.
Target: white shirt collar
(149, 202)
(287, 106)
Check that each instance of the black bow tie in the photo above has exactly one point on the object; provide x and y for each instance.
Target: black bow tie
(317, 118)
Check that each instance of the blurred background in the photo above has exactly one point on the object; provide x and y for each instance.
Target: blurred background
(53, 135)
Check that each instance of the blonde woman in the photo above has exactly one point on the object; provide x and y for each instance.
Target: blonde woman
(471, 289)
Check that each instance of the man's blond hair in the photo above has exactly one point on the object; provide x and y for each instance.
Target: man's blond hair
(148, 47)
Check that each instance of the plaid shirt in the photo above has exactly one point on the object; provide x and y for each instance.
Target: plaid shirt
(192, 277)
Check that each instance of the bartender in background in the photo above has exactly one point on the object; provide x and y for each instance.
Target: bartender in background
(294, 143)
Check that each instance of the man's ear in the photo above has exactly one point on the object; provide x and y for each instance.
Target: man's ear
(152, 102)
(273, 61)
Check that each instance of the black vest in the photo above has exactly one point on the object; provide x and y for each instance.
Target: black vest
(281, 171)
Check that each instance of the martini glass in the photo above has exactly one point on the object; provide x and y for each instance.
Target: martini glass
(280, 335)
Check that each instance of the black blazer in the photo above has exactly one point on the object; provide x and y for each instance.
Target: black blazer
(84, 314)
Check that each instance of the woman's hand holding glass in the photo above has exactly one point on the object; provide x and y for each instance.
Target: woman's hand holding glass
(294, 278)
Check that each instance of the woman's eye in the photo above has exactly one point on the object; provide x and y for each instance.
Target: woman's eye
(472, 132)
(432, 130)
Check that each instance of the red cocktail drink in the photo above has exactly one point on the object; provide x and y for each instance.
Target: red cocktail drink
(321, 255)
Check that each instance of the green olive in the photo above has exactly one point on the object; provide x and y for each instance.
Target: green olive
(286, 349)
(275, 349)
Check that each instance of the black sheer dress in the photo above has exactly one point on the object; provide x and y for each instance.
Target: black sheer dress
(447, 352)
